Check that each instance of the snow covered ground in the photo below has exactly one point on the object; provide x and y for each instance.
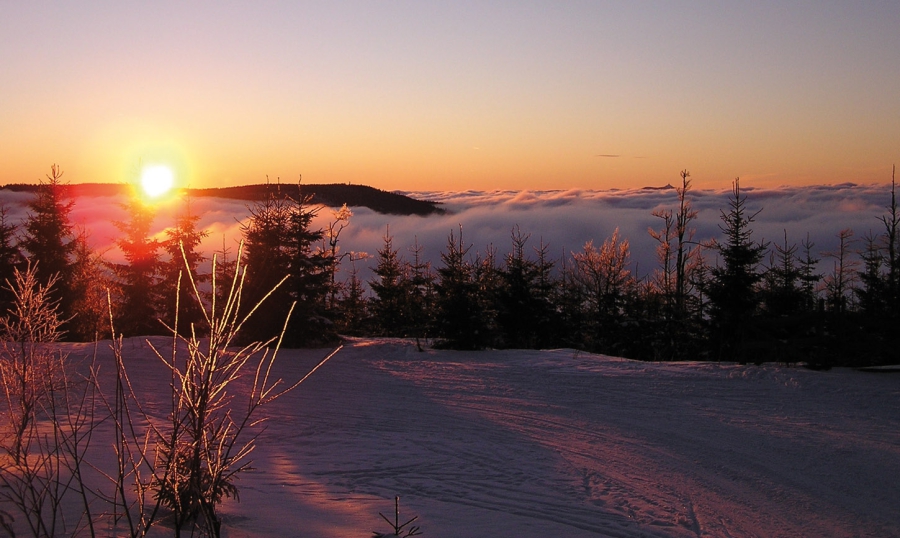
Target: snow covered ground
(512, 444)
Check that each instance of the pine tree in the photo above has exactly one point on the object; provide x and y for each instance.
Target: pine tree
(545, 292)
(809, 278)
(310, 271)
(225, 267)
(391, 305)
(139, 306)
(459, 321)
(48, 238)
(783, 295)
(11, 258)
(892, 246)
(90, 282)
(422, 293)
(571, 301)
(352, 307)
(267, 259)
(181, 245)
(839, 283)
(279, 246)
(488, 279)
(521, 310)
(733, 292)
(873, 294)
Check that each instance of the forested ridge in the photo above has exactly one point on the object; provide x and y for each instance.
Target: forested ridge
(730, 298)
(336, 195)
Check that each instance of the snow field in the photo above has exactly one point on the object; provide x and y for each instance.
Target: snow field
(560, 443)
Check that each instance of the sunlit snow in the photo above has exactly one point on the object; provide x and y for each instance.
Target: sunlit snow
(560, 443)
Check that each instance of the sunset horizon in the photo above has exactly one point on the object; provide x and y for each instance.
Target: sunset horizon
(406, 96)
(583, 268)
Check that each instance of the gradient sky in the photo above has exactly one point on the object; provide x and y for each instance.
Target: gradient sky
(452, 96)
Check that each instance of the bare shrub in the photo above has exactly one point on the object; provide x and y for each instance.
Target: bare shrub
(46, 415)
(186, 465)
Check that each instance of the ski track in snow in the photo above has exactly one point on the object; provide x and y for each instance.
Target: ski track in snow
(540, 443)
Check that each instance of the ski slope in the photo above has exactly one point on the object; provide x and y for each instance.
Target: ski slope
(512, 444)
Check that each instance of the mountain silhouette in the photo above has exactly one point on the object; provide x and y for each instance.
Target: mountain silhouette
(333, 195)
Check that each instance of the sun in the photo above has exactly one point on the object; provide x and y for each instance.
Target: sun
(157, 180)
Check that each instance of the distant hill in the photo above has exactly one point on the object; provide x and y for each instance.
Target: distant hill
(334, 195)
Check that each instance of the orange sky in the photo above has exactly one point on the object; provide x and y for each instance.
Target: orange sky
(412, 95)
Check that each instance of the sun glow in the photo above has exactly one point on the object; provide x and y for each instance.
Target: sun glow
(157, 180)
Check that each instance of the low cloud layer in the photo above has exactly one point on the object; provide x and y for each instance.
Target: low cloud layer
(562, 220)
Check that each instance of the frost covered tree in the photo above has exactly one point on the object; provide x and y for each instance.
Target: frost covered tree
(605, 281)
(665, 275)
(331, 236)
(685, 248)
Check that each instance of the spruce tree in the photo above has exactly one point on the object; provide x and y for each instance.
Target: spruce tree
(891, 239)
(545, 293)
(839, 283)
(782, 295)
(11, 258)
(310, 271)
(353, 307)
(459, 321)
(267, 261)
(90, 282)
(489, 281)
(181, 245)
(733, 292)
(873, 293)
(521, 310)
(225, 267)
(392, 288)
(48, 238)
(139, 306)
(809, 278)
(280, 245)
(571, 301)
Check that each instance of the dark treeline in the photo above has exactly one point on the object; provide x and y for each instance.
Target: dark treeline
(390, 203)
(726, 298)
